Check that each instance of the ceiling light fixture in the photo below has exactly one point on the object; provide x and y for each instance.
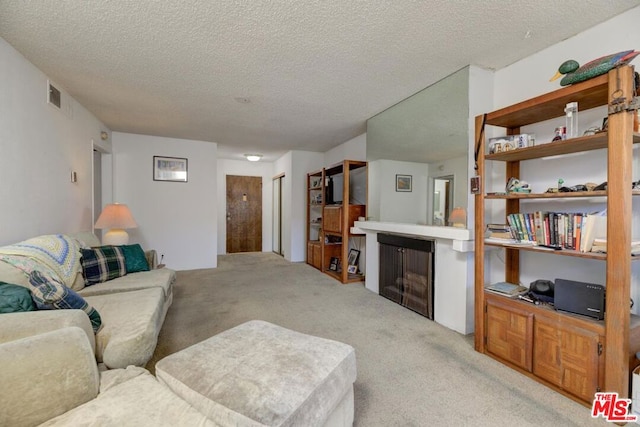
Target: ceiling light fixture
(253, 157)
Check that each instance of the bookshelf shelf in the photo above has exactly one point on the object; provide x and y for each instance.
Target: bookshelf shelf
(609, 369)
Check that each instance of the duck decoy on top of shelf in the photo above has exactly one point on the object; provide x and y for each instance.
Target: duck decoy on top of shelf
(573, 73)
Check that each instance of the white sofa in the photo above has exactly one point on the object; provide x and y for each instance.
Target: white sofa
(256, 374)
(132, 308)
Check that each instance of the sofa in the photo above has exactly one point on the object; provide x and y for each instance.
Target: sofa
(255, 374)
(129, 309)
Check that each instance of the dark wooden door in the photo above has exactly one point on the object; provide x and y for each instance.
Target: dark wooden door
(244, 214)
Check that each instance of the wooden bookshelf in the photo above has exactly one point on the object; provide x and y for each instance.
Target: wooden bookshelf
(617, 339)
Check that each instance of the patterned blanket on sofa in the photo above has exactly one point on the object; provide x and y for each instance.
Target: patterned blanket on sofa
(58, 252)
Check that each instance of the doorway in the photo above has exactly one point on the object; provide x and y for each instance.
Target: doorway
(244, 214)
(442, 199)
(277, 214)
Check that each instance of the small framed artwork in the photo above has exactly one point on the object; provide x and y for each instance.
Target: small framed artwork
(333, 265)
(353, 257)
(352, 269)
(169, 169)
(403, 183)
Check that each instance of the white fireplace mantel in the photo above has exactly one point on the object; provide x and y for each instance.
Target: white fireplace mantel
(453, 279)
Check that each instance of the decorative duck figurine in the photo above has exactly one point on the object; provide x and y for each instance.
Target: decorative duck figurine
(573, 73)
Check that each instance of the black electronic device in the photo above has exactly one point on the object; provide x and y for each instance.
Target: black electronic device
(579, 297)
(543, 290)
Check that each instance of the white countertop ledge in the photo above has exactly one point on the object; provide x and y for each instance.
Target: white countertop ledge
(453, 233)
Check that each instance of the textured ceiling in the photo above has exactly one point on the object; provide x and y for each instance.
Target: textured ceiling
(313, 71)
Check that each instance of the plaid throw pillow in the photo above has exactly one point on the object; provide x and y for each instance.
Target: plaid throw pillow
(102, 263)
(49, 294)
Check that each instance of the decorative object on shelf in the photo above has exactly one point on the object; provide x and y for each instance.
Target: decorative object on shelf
(514, 185)
(404, 183)
(169, 169)
(333, 265)
(116, 218)
(458, 217)
(574, 73)
(571, 117)
(353, 257)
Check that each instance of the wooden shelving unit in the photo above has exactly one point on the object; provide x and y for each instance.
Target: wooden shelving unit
(336, 220)
(315, 205)
(609, 345)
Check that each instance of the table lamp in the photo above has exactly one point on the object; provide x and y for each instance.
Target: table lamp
(116, 217)
(458, 217)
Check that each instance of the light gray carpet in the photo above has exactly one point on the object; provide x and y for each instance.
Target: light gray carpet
(411, 371)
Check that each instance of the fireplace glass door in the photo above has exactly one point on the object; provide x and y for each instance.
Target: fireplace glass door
(406, 272)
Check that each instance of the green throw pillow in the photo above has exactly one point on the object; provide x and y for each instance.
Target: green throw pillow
(134, 258)
(14, 298)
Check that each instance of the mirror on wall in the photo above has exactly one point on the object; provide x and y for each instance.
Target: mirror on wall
(425, 136)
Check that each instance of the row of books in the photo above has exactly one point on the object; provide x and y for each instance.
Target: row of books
(566, 230)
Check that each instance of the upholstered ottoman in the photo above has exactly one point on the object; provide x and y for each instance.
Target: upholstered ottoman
(260, 374)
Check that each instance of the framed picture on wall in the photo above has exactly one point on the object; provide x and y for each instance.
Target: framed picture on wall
(403, 183)
(169, 169)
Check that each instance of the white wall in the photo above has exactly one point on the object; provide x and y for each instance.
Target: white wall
(178, 219)
(529, 78)
(245, 168)
(41, 146)
(353, 149)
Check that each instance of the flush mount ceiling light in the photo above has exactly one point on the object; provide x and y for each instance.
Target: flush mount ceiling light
(253, 157)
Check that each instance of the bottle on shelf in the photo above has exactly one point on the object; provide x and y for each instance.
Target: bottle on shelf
(571, 112)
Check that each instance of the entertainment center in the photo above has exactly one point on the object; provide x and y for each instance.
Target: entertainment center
(577, 356)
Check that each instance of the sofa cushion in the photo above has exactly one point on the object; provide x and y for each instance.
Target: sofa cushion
(138, 401)
(45, 375)
(161, 278)
(102, 263)
(131, 323)
(50, 294)
(14, 326)
(134, 258)
(262, 373)
(14, 298)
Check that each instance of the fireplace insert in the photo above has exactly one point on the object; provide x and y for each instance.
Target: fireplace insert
(406, 272)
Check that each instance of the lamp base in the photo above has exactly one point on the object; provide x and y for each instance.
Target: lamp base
(116, 237)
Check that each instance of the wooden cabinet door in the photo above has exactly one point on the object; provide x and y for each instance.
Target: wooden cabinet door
(566, 356)
(509, 334)
(546, 351)
(332, 219)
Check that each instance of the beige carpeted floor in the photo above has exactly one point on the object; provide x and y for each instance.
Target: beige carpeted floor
(411, 371)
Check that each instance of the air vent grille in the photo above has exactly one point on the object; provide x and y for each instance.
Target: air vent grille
(53, 95)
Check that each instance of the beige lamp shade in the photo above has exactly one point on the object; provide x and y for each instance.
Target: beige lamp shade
(458, 217)
(116, 218)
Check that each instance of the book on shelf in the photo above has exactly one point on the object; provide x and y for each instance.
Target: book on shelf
(594, 226)
(506, 289)
(600, 245)
(567, 230)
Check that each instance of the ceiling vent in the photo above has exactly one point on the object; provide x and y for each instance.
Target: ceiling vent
(53, 95)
